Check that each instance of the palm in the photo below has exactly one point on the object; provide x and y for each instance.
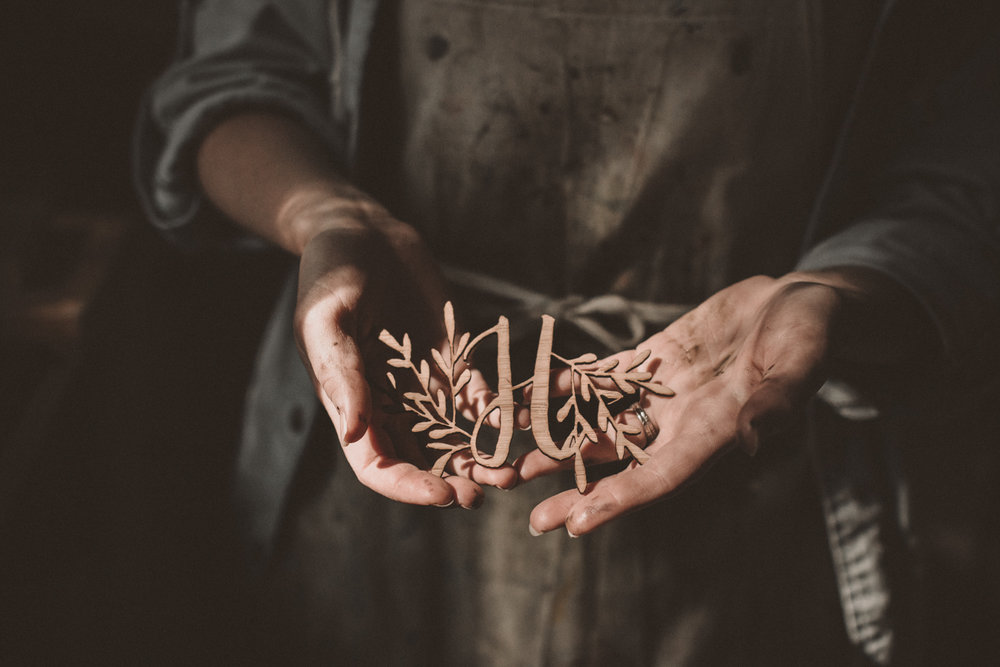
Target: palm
(738, 363)
(352, 284)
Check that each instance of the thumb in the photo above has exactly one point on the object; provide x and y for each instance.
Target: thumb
(334, 360)
(767, 411)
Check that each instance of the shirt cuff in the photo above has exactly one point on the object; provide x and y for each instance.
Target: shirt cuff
(954, 277)
(165, 155)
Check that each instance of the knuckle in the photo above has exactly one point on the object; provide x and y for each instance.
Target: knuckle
(331, 385)
(323, 323)
(660, 483)
(299, 323)
(405, 235)
(313, 315)
(754, 283)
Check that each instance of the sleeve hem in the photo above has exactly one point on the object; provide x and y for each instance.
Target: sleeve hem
(166, 179)
(945, 273)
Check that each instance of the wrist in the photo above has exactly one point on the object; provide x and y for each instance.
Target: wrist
(270, 175)
(314, 209)
(877, 320)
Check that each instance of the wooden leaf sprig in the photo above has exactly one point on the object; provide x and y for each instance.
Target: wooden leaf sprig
(437, 416)
(591, 383)
(436, 411)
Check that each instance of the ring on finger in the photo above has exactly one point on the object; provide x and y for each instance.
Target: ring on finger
(649, 427)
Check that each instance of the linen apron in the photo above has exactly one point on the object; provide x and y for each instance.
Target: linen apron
(656, 150)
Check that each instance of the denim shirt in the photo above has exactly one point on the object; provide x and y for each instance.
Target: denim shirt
(933, 228)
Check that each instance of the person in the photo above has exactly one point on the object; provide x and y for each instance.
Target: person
(666, 153)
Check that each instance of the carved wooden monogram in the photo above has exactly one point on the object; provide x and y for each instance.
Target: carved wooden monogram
(597, 386)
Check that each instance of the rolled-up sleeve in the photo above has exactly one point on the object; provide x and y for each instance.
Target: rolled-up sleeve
(233, 55)
(935, 227)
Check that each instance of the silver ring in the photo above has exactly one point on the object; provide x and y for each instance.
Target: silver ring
(649, 427)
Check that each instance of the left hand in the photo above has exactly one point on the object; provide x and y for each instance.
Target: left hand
(741, 363)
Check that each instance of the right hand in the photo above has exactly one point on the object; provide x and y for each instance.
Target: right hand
(364, 272)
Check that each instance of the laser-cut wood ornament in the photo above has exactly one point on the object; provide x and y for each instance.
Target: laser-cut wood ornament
(438, 418)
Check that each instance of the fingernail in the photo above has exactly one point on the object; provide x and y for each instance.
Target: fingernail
(534, 533)
(568, 532)
(476, 503)
(343, 426)
(749, 443)
(447, 504)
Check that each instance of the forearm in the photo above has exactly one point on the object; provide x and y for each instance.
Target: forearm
(268, 174)
(878, 322)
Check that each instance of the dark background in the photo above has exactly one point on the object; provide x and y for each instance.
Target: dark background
(72, 76)
(122, 363)
(121, 368)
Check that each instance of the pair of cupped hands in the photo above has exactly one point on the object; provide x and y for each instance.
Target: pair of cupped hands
(740, 364)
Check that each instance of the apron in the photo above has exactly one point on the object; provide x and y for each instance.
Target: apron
(650, 149)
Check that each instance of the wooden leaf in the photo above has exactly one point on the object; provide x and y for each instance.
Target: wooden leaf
(622, 383)
(462, 344)
(389, 340)
(639, 454)
(638, 376)
(399, 363)
(407, 347)
(569, 447)
(439, 465)
(629, 429)
(658, 389)
(588, 430)
(585, 389)
(581, 473)
(603, 416)
(610, 366)
(442, 403)
(463, 380)
(564, 410)
(609, 395)
(587, 358)
(422, 426)
(440, 362)
(425, 373)
(439, 433)
(638, 359)
(441, 447)
(414, 396)
(449, 321)
(392, 379)
(620, 444)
